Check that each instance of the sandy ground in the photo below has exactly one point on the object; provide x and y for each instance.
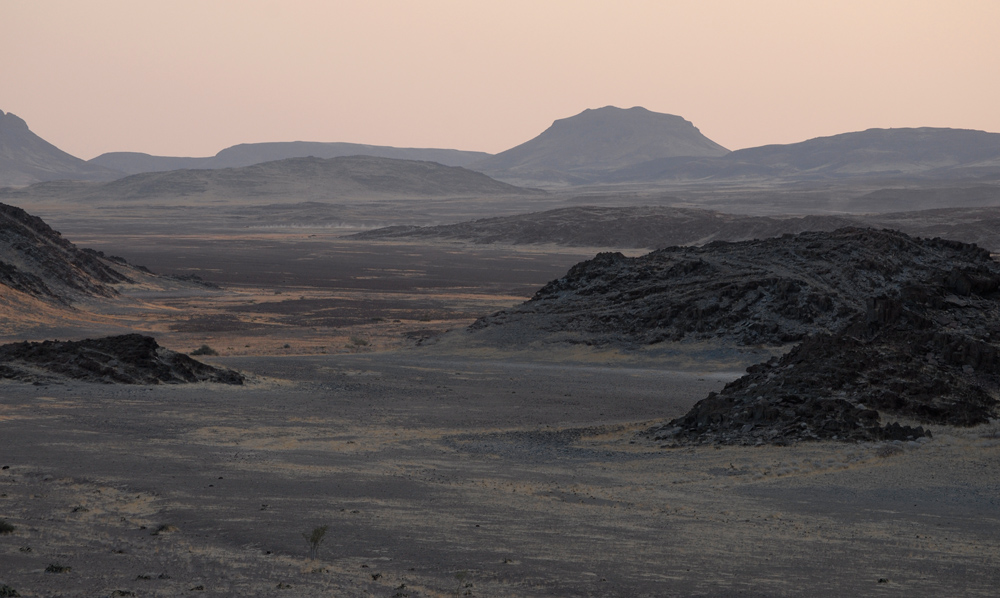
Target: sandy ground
(441, 475)
(442, 468)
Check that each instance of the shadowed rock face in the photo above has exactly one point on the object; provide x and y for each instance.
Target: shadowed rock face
(926, 354)
(36, 260)
(772, 291)
(125, 359)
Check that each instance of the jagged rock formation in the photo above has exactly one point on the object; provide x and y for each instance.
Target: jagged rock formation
(26, 158)
(761, 292)
(38, 261)
(125, 359)
(925, 354)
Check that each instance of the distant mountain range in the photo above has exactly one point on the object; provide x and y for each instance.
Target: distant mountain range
(297, 179)
(596, 147)
(920, 153)
(248, 154)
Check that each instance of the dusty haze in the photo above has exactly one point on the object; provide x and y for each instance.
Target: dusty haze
(190, 78)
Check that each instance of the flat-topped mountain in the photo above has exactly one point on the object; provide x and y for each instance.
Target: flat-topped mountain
(26, 158)
(300, 179)
(907, 153)
(578, 148)
(248, 154)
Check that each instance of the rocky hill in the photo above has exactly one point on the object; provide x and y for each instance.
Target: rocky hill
(125, 359)
(26, 158)
(38, 261)
(577, 149)
(761, 292)
(928, 352)
(248, 154)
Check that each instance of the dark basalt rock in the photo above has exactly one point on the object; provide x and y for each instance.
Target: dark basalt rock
(125, 359)
(763, 292)
(926, 355)
(37, 260)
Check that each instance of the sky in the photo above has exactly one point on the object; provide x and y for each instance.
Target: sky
(191, 77)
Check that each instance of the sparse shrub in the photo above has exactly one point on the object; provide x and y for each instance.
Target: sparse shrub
(204, 350)
(57, 568)
(357, 341)
(8, 592)
(889, 450)
(6, 528)
(315, 538)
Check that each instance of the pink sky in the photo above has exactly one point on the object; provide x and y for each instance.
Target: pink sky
(190, 77)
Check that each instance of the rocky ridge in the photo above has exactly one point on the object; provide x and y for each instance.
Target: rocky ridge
(38, 261)
(125, 359)
(888, 327)
(761, 292)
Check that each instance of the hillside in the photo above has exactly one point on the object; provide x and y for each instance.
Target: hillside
(761, 292)
(301, 179)
(578, 149)
(884, 154)
(39, 262)
(248, 154)
(26, 158)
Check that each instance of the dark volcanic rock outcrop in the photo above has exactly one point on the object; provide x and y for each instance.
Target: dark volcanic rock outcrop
(37, 260)
(125, 359)
(926, 354)
(772, 291)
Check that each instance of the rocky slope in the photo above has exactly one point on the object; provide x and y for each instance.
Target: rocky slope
(26, 158)
(925, 353)
(126, 359)
(761, 292)
(38, 261)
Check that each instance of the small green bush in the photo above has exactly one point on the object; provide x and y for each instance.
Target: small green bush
(6, 528)
(8, 592)
(204, 350)
(315, 538)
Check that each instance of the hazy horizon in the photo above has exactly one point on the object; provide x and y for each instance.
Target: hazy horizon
(191, 78)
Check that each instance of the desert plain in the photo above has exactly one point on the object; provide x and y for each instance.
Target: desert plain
(437, 466)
